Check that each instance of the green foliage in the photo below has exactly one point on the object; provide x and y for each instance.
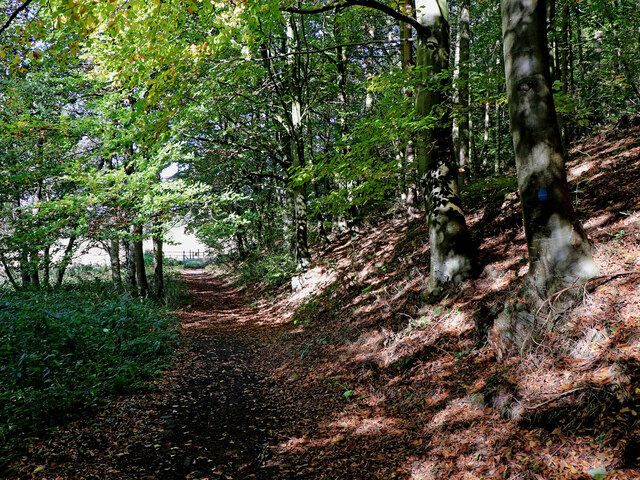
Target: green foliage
(495, 186)
(65, 349)
(273, 269)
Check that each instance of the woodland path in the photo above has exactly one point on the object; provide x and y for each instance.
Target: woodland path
(218, 419)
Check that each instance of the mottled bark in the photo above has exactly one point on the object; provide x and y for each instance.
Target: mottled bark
(559, 252)
(452, 255)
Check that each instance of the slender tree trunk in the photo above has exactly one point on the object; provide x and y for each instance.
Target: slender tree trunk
(34, 263)
(138, 255)
(461, 95)
(559, 252)
(410, 168)
(7, 271)
(498, 165)
(24, 268)
(472, 144)
(452, 254)
(66, 259)
(303, 258)
(131, 266)
(114, 256)
(158, 267)
(46, 265)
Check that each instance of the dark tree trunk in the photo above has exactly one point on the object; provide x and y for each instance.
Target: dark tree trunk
(8, 273)
(66, 259)
(158, 267)
(34, 263)
(138, 255)
(559, 252)
(24, 268)
(46, 265)
(131, 267)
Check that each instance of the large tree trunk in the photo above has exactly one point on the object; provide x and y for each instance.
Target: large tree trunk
(452, 254)
(461, 95)
(559, 252)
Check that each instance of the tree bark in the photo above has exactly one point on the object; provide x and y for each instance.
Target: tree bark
(410, 170)
(158, 267)
(131, 267)
(114, 256)
(7, 271)
(138, 255)
(46, 265)
(66, 259)
(461, 94)
(299, 192)
(452, 254)
(559, 252)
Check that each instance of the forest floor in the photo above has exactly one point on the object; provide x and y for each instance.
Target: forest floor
(355, 376)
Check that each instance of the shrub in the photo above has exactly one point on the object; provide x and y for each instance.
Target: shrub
(65, 348)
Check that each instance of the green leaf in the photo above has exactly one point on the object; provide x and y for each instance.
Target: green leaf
(599, 473)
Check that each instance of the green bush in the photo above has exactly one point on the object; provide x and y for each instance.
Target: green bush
(63, 349)
(274, 269)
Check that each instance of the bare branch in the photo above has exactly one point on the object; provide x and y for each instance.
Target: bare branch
(373, 4)
(13, 16)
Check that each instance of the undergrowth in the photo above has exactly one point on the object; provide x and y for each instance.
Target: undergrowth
(63, 349)
(273, 270)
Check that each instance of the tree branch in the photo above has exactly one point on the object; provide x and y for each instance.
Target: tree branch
(13, 16)
(373, 4)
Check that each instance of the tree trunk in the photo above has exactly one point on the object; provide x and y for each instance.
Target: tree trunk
(138, 255)
(24, 268)
(7, 271)
(131, 266)
(452, 255)
(410, 170)
(559, 252)
(66, 259)
(34, 263)
(158, 267)
(46, 265)
(461, 95)
(114, 256)
(299, 192)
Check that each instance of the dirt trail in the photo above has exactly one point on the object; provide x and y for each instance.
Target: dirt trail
(217, 419)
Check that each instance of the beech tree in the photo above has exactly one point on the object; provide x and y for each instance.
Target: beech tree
(559, 251)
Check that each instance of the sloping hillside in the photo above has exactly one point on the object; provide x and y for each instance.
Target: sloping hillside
(422, 379)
